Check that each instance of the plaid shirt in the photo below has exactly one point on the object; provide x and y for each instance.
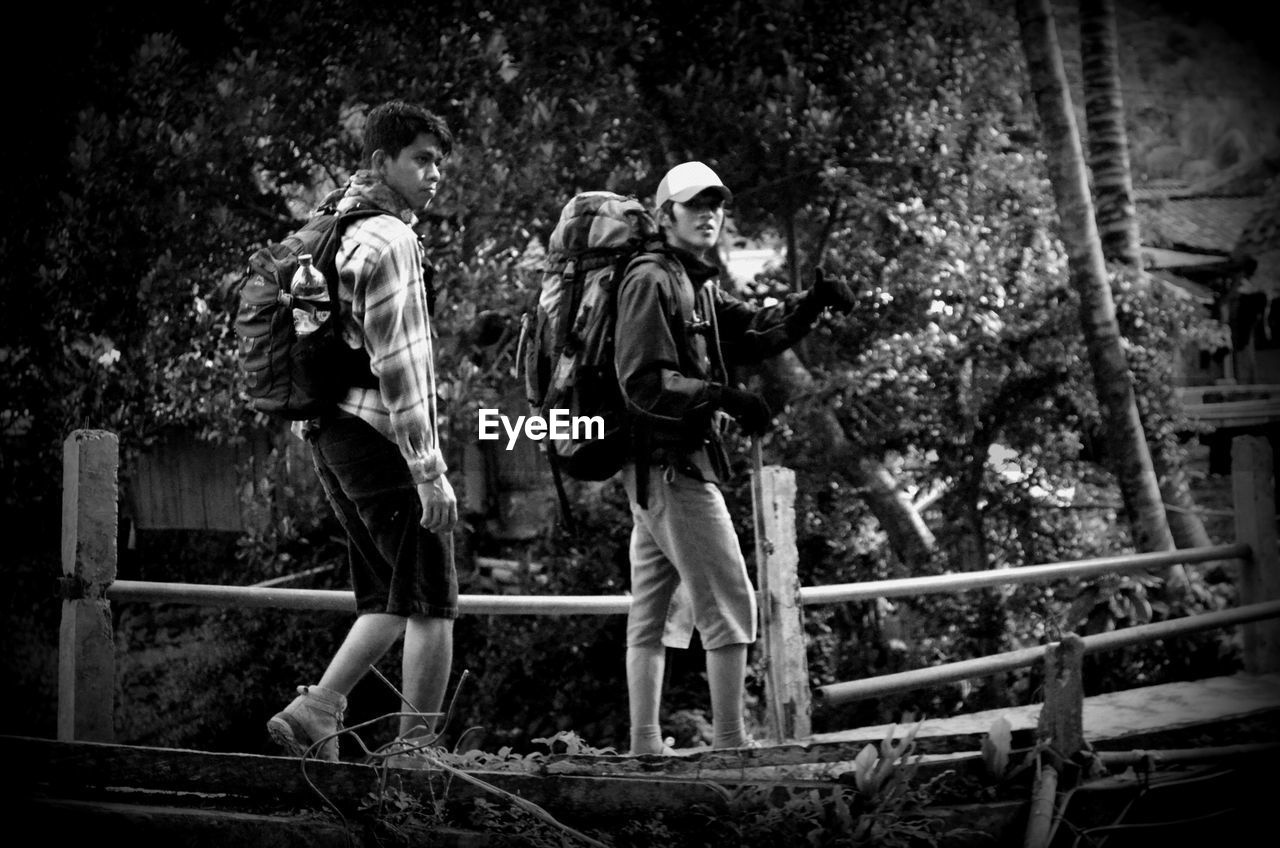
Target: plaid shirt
(380, 274)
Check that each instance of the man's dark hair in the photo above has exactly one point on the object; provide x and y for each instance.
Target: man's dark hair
(393, 126)
(668, 209)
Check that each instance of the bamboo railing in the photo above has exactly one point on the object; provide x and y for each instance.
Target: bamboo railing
(86, 681)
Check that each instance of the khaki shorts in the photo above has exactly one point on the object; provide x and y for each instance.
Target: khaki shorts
(687, 568)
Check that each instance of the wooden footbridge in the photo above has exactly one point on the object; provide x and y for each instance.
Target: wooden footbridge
(1045, 774)
(1222, 733)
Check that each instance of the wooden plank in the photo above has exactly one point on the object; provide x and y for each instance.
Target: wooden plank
(86, 646)
(1183, 705)
(1228, 394)
(700, 764)
(1245, 413)
(1254, 495)
(87, 770)
(143, 480)
(782, 620)
(1246, 405)
(136, 823)
(216, 466)
(185, 483)
(258, 814)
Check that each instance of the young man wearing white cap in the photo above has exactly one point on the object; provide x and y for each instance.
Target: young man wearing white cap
(675, 329)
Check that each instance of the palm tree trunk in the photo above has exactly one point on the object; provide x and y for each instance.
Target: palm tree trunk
(1108, 144)
(1118, 222)
(1130, 457)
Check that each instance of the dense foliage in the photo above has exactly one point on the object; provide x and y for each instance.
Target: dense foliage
(890, 145)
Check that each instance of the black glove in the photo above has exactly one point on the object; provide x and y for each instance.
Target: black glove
(832, 292)
(747, 408)
(488, 328)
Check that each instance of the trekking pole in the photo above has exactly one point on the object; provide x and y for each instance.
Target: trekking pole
(764, 548)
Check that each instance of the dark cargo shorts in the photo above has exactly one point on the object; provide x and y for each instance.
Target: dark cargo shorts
(397, 565)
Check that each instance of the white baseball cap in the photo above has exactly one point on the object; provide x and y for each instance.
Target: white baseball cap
(686, 180)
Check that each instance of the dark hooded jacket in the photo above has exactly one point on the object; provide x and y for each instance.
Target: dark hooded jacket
(678, 333)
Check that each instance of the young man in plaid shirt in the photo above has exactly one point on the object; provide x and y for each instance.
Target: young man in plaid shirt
(378, 454)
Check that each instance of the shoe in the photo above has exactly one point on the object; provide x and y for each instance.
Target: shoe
(664, 750)
(748, 743)
(401, 752)
(314, 715)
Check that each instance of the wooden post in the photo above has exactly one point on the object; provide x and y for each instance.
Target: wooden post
(1061, 729)
(1254, 492)
(781, 616)
(86, 648)
(1061, 722)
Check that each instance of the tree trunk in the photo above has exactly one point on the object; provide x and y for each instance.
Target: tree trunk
(1118, 222)
(1129, 455)
(785, 376)
(1183, 511)
(1108, 145)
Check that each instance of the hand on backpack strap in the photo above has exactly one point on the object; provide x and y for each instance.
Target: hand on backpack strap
(832, 292)
(747, 408)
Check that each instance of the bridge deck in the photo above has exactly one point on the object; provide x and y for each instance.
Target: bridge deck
(1133, 718)
(88, 788)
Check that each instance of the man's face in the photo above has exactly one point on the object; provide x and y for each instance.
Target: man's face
(695, 225)
(415, 173)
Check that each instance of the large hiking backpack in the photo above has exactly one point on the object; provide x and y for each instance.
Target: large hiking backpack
(287, 376)
(568, 338)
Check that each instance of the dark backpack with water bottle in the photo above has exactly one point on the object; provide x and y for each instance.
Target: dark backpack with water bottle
(287, 375)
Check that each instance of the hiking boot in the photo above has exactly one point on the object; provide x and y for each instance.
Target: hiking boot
(414, 752)
(314, 715)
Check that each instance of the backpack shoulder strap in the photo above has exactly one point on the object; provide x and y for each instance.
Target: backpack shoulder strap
(658, 255)
(360, 211)
(566, 508)
(327, 251)
(654, 251)
(347, 217)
